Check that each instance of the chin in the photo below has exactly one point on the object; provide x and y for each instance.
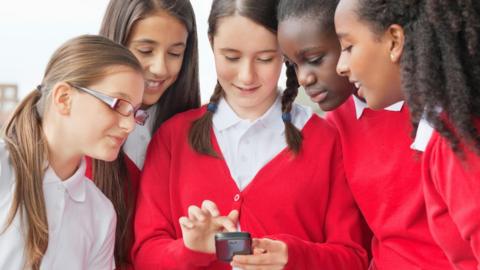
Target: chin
(106, 155)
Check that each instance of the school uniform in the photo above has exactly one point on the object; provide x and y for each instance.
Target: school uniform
(452, 192)
(81, 222)
(302, 200)
(135, 146)
(384, 175)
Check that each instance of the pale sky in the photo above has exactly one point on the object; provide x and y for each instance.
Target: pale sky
(31, 30)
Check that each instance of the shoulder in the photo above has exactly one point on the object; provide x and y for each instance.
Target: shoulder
(184, 118)
(95, 198)
(178, 125)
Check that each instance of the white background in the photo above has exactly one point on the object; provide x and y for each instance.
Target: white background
(31, 30)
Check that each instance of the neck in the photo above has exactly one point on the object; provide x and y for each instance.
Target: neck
(253, 113)
(61, 159)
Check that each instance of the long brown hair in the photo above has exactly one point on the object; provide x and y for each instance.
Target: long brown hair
(184, 94)
(82, 61)
(264, 14)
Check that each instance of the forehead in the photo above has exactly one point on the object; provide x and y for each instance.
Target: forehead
(346, 12)
(243, 34)
(304, 32)
(159, 25)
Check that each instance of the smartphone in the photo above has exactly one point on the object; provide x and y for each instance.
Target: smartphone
(229, 244)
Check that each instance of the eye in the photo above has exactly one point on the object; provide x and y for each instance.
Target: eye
(315, 60)
(175, 55)
(265, 59)
(347, 49)
(231, 58)
(144, 50)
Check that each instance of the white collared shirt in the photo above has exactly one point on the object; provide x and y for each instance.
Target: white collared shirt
(423, 135)
(137, 142)
(248, 145)
(360, 106)
(81, 222)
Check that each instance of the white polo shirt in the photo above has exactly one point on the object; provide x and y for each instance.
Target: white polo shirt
(81, 222)
(248, 146)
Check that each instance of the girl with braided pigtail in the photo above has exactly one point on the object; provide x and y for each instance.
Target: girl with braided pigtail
(432, 47)
(251, 159)
(401, 236)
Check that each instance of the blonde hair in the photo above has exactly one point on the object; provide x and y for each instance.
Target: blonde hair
(81, 61)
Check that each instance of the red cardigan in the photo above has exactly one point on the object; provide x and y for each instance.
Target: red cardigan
(303, 201)
(384, 175)
(452, 193)
(134, 173)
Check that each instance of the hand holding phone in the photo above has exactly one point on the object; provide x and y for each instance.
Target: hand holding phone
(229, 244)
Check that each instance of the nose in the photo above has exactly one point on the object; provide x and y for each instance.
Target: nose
(127, 123)
(343, 68)
(247, 74)
(305, 77)
(158, 66)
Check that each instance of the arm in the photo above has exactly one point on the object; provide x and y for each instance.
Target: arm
(158, 244)
(104, 258)
(344, 233)
(459, 186)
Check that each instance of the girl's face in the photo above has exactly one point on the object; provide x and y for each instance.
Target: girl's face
(100, 131)
(248, 64)
(366, 58)
(314, 54)
(159, 42)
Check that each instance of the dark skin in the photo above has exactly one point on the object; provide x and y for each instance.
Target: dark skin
(314, 52)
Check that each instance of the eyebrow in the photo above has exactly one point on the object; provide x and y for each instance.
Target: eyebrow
(305, 50)
(121, 95)
(342, 35)
(153, 42)
(237, 51)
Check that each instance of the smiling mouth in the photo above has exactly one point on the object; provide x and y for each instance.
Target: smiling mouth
(154, 84)
(247, 89)
(117, 140)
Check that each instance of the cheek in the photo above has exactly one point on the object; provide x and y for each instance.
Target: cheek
(269, 74)
(225, 71)
(174, 66)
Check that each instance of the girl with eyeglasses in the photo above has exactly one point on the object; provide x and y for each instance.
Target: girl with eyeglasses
(51, 215)
(162, 34)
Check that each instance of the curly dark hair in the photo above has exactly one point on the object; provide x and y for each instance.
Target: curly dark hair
(322, 10)
(440, 62)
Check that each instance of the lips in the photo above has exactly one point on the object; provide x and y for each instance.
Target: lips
(153, 85)
(117, 140)
(317, 95)
(360, 90)
(247, 88)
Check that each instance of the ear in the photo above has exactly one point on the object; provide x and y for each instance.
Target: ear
(396, 37)
(62, 94)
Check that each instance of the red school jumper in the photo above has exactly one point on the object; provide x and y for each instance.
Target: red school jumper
(303, 201)
(452, 193)
(384, 176)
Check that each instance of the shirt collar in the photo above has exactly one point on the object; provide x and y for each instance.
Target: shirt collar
(75, 185)
(225, 117)
(423, 135)
(360, 106)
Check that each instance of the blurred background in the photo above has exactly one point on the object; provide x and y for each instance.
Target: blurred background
(31, 30)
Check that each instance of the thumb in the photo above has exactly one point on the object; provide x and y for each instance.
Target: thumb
(233, 216)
